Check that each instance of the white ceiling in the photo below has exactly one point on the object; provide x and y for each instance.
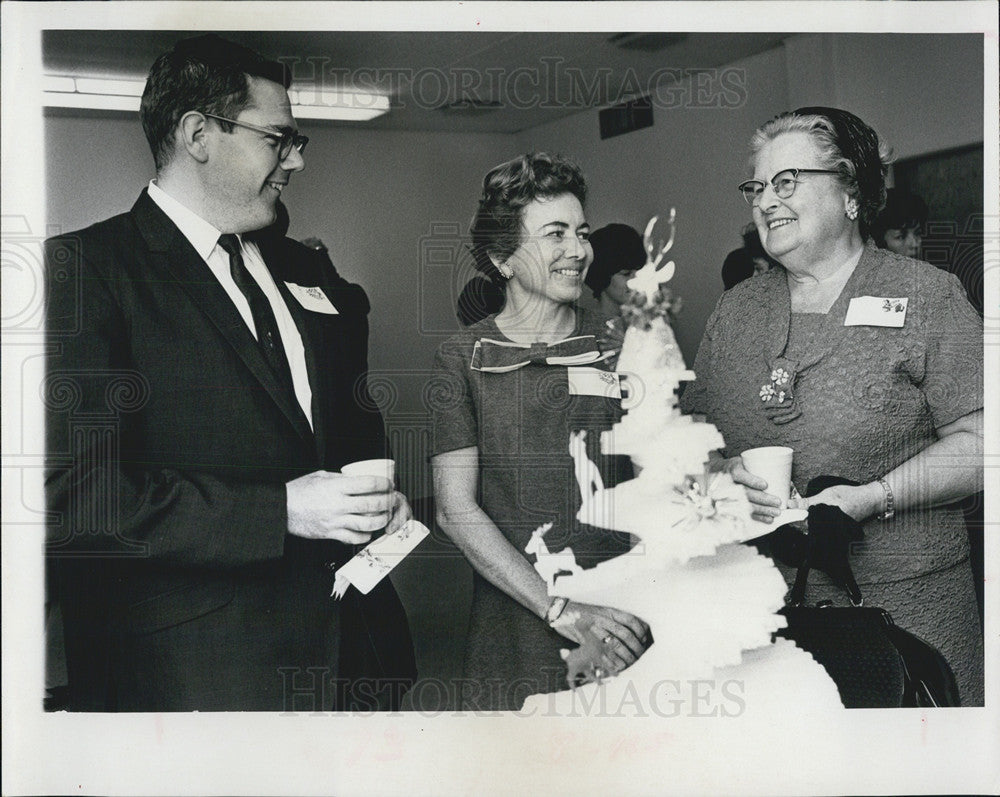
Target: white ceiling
(531, 78)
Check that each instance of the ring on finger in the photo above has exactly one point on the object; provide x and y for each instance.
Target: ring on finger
(608, 639)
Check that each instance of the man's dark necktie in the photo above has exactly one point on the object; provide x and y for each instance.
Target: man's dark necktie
(260, 309)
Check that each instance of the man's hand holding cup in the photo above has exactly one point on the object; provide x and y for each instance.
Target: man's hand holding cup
(347, 506)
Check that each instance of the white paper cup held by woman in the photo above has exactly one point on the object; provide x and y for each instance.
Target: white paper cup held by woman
(774, 465)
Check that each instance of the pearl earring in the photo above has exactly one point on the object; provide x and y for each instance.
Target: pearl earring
(852, 211)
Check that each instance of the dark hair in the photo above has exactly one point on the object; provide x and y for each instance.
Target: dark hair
(846, 144)
(507, 189)
(740, 263)
(617, 247)
(207, 74)
(480, 297)
(902, 211)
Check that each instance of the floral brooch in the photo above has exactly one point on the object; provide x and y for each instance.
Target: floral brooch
(778, 388)
(776, 394)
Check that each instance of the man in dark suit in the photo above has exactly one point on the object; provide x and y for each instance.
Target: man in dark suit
(203, 387)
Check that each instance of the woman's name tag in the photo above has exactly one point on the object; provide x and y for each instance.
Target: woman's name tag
(876, 311)
(584, 381)
(312, 298)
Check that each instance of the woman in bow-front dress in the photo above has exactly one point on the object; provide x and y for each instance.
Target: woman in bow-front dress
(505, 403)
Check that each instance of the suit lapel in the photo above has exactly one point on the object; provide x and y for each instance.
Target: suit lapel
(172, 252)
(322, 350)
(310, 336)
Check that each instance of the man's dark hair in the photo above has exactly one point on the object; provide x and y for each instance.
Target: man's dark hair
(206, 74)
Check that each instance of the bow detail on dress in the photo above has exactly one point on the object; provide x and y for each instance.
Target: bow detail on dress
(498, 356)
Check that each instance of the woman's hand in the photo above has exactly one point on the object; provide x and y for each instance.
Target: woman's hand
(623, 636)
(764, 505)
(859, 502)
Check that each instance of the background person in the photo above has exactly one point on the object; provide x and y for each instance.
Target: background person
(899, 225)
(194, 539)
(501, 461)
(750, 259)
(881, 403)
(618, 254)
(480, 297)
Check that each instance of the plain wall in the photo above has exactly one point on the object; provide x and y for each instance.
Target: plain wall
(922, 92)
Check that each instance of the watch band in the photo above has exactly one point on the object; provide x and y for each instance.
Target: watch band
(890, 501)
(555, 609)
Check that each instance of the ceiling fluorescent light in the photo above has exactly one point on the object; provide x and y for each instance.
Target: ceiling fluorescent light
(346, 105)
(340, 114)
(58, 83)
(63, 91)
(100, 102)
(123, 95)
(118, 88)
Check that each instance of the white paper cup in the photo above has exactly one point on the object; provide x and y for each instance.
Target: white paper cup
(774, 465)
(372, 467)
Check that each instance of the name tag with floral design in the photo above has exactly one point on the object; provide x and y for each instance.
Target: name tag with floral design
(378, 559)
(312, 298)
(593, 382)
(876, 311)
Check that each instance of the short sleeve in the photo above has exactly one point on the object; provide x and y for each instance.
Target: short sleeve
(953, 367)
(449, 397)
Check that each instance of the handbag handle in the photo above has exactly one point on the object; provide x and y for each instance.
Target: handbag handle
(830, 533)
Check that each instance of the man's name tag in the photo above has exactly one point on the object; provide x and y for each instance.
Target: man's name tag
(876, 311)
(312, 298)
(584, 381)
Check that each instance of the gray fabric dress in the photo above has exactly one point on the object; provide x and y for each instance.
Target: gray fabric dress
(855, 402)
(521, 423)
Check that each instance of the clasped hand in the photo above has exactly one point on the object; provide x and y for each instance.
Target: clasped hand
(610, 640)
(331, 506)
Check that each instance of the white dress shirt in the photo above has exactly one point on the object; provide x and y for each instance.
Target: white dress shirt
(204, 237)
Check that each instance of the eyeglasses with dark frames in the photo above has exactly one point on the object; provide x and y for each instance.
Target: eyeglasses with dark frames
(783, 182)
(286, 137)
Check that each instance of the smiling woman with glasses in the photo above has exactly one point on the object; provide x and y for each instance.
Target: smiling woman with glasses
(286, 137)
(865, 362)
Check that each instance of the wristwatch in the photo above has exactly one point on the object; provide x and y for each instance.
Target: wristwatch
(555, 609)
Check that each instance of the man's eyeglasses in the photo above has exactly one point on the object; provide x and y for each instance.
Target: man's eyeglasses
(286, 137)
(783, 182)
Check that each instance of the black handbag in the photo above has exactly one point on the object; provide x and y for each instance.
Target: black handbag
(873, 662)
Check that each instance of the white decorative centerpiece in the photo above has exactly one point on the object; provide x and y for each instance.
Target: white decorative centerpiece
(711, 603)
